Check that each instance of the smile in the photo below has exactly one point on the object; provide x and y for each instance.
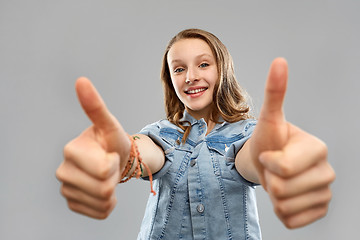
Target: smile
(194, 91)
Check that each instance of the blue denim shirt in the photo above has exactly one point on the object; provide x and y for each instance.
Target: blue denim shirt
(200, 194)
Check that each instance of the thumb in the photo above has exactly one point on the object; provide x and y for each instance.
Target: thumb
(275, 89)
(93, 105)
(271, 132)
(114, 138)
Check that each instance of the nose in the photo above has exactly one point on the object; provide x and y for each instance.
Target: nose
(192, 75)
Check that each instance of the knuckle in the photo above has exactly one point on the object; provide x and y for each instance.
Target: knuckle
(68, 193)
(291, 221)
(321, 211)
(327, 173)
(328, 196)
(68, 150)
(332, 174)
(324, 197)
(108, 205)
(104, 168)
(288, 223)
(324, 211)
(103, 215)
(63, 173)
(286, 169)
(281, 208)
(73, 205)
(106, 190)
(60, 173)
(277, 189)
(64, 191)
(323, 150)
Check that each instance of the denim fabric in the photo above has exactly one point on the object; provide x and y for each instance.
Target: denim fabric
(200, 194)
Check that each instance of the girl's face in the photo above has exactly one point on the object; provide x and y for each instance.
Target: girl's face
(194, 73)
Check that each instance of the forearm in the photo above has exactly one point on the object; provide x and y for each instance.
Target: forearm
(245, 165)
(151, 155)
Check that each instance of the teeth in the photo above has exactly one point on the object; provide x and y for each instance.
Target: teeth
(196, 90)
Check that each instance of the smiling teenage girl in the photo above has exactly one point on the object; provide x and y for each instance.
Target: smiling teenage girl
(206, 157)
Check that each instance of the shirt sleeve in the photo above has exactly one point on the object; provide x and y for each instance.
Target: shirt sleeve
(153, 132)
(247, 127)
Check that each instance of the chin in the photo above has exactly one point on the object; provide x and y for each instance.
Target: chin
(198, 108)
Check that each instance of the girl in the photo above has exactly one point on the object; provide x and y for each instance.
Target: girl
(205, 158)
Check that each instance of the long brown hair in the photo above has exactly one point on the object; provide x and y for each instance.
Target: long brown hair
(230, 100)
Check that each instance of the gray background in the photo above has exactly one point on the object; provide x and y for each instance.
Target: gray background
(46, 45)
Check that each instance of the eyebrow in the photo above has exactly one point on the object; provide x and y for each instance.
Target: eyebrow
(197, 57)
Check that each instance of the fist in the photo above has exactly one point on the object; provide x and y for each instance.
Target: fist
(89, 176)
(291, 164)
(93, 161)
(298, 179)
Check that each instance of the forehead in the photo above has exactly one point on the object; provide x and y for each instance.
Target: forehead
(186, 49)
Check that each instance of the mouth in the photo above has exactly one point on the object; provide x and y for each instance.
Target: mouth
(195, 91)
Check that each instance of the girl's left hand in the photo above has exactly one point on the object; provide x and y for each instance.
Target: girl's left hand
(292, 164)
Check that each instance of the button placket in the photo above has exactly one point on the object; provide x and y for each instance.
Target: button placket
(195, 195)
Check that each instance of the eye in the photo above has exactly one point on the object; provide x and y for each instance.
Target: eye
(204, 65)
(178, 70)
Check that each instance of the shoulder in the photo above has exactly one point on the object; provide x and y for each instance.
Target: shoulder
(156, 127)
(244, 127)
(244, 123)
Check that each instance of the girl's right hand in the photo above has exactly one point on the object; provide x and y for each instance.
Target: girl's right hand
(93, 161)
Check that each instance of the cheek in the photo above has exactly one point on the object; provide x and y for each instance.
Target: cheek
(213, 79)
(176, 84)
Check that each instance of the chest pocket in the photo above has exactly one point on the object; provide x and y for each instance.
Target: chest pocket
(181, 152)
(223, 156)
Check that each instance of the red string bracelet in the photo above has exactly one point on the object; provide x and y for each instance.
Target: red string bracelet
(138, 171)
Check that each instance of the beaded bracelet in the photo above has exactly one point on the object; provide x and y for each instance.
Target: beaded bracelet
(138, 171)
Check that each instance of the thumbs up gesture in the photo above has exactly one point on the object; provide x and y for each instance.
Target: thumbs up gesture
(93, 161)
(291, 164)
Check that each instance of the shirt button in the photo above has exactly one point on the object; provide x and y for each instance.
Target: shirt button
(193, 162)
(200, 208)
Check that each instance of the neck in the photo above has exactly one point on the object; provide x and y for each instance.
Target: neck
(206, 115)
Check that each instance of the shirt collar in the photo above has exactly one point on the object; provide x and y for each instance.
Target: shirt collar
(188, 118)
